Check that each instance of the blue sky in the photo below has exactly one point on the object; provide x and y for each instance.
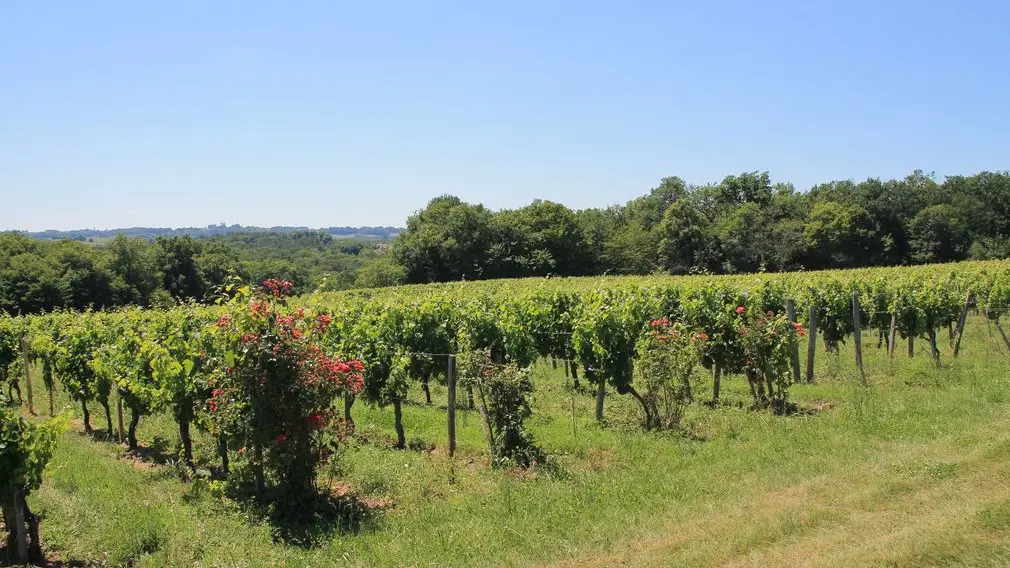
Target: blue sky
(324, 113)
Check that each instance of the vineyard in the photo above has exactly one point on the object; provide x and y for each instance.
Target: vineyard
(617, 358)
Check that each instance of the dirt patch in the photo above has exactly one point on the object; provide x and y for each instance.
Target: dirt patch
(343, 491)
(597, 460)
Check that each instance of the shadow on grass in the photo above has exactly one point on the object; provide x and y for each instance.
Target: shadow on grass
(99, 435)
(51, 562)
(788, 408)
(310, 521)
(156, 452)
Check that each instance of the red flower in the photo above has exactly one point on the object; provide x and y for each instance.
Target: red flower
(703, 336)
(296, 333)
(799, 329)
(740, 309)
(249, 338)
(323, 321)
(281, 438)
(318, 420)
(259, 308)
(224, 321)
(277, 287)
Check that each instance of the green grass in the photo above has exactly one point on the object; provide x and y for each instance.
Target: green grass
(912, 470)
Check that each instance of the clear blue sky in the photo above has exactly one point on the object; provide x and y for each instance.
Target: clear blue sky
(323, 113)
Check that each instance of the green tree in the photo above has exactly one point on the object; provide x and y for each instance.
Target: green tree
(176, 258)
(839, 235)
(448, 240)
(543, 238)
(686, 242)
(135, 276)
(631, 249)
(938, 234)
(745, 238)
(379, 272)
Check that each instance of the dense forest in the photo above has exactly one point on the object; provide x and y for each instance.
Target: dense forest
(745, 223)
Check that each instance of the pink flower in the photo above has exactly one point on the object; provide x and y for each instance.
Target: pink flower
(281, 438)
(740, 309)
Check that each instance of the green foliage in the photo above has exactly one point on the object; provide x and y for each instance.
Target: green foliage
(25, 449)
(504, 394)
(768, 341)
(274, 391)
(668, 354)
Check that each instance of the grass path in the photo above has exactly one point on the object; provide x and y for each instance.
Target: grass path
(908, 505)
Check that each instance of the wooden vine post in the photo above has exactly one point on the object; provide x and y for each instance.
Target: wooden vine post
(857, 327)
(791, 313)
(999, 327)
(451, 403)
(811, 342)
(894, 337)
(960, 324)
(119, 415)
(17, 511)
(28, 375)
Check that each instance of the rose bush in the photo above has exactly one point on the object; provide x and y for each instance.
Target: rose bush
(274, 390)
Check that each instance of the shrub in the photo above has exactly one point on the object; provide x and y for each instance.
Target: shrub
(503, 395)
(275, 390)
(768, 341)
(668, 354)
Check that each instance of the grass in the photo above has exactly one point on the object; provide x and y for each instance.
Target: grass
(913, 470)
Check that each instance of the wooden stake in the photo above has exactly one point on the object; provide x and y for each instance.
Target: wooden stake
(911, 346)
(811, 342)
(791, 313)
(28, 375)
(20, 534)
(451, 404)
(119, 414)
(857, 326)
(716, 383)
(1002, 333)
(960, 324)
(894, 337)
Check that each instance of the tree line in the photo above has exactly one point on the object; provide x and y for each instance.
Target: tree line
(744, 223)
(41, 276)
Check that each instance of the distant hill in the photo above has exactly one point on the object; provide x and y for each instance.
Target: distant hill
(209, 231)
